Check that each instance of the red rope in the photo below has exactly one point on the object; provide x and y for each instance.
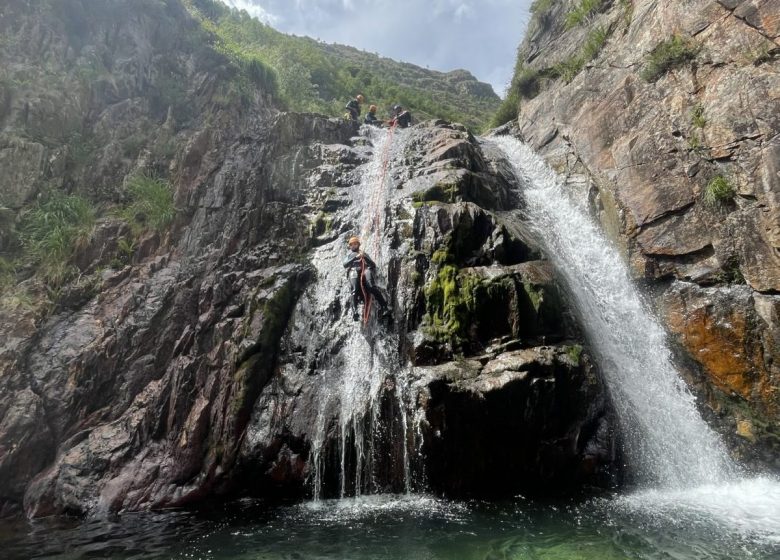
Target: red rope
(375, 210)
(374, 221)
(366, 300)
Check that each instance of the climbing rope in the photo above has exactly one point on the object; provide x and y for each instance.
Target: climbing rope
(366, 299)
(374, 219)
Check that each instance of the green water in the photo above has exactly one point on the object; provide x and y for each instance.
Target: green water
(417, 527)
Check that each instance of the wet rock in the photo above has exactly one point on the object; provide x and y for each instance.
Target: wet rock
(648, 151)
(731, 334)
(542, 408)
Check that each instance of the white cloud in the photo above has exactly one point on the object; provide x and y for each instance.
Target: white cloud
(253, 9)
(480, 36)
(463, 11)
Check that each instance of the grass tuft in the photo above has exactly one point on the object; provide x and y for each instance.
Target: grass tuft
(697, 117)
(719, 191)
(54, 230)
(151, 203)
(668, 55)
(581, 12)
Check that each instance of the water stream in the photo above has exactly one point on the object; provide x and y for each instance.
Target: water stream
(667, 442)
(367, 365)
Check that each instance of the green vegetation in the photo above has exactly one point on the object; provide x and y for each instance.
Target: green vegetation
(569, 68)
(442, 191)
(719, 191)
(525, 85)
(574, 352)
(628, 11)
(151, 203)
(731, 273)
(581, 12)
(595, 41)
(539, 7)
(508, 110)
(450, 303)
(697, 117)
(527, 82)
(694, 143)
(7, 273)
(53, 230)
(668, 55)
(125, 250)
(319, 77)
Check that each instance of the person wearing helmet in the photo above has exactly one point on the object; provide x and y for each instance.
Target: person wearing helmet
(360, 271)
(400, 117)
(371, 117)
(353, 107)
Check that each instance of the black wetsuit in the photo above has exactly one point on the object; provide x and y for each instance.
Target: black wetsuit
(354, 266)
(353, 108)
(372, 120)
(404, 119)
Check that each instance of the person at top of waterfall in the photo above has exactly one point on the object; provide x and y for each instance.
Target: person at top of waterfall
(371, 117)
(360, 271)
(353, 107)
(400, 117)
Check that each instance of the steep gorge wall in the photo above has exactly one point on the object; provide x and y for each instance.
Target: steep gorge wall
(644, 144)
(187, 370)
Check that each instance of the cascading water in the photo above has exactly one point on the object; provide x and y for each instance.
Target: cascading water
(686, 476)
(366, 366)
(667, 442)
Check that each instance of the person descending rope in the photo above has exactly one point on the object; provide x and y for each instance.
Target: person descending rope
(360, 271)
(353, 107)
(371, 117)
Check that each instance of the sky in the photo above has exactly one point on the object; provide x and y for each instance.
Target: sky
(479, 35)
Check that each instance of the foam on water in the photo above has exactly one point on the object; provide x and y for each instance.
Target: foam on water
(749, 508)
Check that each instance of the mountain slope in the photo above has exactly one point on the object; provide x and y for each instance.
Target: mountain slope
(315, 76)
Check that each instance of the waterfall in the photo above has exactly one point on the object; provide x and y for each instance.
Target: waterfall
(667, 443)
(354, 382)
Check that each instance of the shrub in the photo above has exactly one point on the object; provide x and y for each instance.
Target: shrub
(527, 83)
(718, 191)
(581, 12)
(567, 69)
(628, 11)
(596, 40)
(7, 273)
(54, 230)
(666, 56)
(508, 110)
(260, 74)
(151, 203)
(697, 117)
(540, 6)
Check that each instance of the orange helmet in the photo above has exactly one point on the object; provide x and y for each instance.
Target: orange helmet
(353, 240)
(360, 98)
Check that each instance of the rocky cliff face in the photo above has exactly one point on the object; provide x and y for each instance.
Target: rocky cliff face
(665, 116)
(205, 362)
